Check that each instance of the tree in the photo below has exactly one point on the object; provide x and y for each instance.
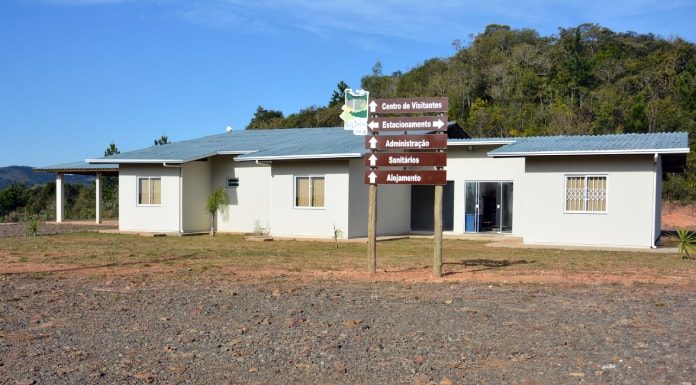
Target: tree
(217, 202)
(162, 140)
(338, 95)
(111, 150)
(264, 118)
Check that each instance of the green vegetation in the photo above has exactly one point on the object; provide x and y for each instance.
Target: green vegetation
(514, 82)
(33, 227)
(217, 202)
(686, 242)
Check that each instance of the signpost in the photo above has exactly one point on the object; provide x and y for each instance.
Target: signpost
(406, 158)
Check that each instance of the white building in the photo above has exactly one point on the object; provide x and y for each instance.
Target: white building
(564, 190)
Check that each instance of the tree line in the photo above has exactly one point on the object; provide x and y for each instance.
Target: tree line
(19, 202)
(505, 82)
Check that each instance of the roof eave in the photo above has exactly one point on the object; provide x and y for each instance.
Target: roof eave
(591, 152)
(300, 157)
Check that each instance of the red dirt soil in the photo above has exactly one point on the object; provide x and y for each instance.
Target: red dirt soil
(677, 216)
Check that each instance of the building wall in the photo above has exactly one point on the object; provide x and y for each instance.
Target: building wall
(393, 205)
(658, 198)
(162, 218)
(629, 218)
(250, 203)
(196, 178)
(468, 166)
(287, 220)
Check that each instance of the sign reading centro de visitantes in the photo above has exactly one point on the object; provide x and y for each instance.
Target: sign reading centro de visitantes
(408, 105)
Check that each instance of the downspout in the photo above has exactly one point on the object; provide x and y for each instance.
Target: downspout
(181, 204)
(654, 202)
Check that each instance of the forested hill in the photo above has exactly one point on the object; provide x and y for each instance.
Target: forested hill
(24, 175)
(514, 82)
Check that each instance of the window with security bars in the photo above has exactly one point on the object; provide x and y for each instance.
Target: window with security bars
(309, 191)
(586, 193)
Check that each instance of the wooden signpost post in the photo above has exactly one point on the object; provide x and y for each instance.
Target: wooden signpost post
(406, 159)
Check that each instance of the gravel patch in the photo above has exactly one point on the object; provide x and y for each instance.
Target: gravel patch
(47, 228)
(198, 329)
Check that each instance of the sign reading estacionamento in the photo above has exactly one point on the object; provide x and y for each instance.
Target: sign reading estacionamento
(405, 177)
(409, 105)
(407, 123)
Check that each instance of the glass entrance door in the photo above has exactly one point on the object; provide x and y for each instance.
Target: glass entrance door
(488, 207)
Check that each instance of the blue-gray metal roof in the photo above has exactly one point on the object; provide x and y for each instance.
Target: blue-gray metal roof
(253, 143)
(325, 142)
(661, 142)
(80, 166)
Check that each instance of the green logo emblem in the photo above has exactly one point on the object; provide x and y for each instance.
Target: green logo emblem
(354, 113)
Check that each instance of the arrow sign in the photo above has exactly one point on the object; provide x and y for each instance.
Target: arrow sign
(406, 159)
(408, 123)
(428, 177)
(409, 105)
(407, 142)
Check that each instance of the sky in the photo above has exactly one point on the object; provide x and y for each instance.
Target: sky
(76, 75)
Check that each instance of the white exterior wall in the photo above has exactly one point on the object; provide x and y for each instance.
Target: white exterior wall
(161, 218)
(287, 220)
(393, 205)
(250, 203)
(658, 198)
(196, 178)
(468, 166)
(628, 221)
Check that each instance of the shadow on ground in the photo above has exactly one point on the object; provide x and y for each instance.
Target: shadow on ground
(104, 265)
(487, 264)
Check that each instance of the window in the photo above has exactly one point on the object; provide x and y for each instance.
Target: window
(232, 182)
(309, 191)
(586, 193)
(149, 191)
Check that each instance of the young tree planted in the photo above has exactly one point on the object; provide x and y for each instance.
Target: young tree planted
(217, 202)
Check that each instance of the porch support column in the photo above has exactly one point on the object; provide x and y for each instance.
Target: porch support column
(60, 201)
(98, 192)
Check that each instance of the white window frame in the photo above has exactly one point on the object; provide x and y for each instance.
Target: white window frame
(137, 191)
(565, 194)
(294, 192)
(235, 182)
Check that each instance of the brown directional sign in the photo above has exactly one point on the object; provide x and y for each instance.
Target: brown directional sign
(406, 142)
(406, 159)
(408, 105)
(408, 123)
(432, 177)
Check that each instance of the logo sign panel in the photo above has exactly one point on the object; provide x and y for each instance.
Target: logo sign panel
(406, 142)
(408, 123)
(408, 105)
(354, 114)
(406, 159)
(428, 177)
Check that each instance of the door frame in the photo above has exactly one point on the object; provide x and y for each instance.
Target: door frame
(477, 203)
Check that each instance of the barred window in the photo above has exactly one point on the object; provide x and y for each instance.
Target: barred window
(309, 191)
(586, 193)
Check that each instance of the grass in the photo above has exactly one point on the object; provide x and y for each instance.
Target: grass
(205, 253)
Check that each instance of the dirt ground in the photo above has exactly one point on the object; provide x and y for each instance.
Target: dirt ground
(215, 327)
(676, 216)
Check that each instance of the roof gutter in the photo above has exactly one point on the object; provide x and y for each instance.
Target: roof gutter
(292, 157)
(479, 142)
(592, 152)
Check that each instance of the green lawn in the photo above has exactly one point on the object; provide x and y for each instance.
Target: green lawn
(92, 249)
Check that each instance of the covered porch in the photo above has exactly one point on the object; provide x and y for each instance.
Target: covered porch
(79, 168)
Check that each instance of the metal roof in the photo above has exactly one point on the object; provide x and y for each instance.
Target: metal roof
(661, 142)
(262, 143)
(78, 167)
(335, 142)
